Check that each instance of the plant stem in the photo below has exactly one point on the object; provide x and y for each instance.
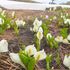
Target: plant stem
(38, 47)
(48, 66)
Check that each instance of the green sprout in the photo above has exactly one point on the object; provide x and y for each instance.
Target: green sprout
(64, 32)
(58, 59)
(4, 23)
(45, 29)
(48, 61)
(51, 41)
(37, 42)
(28, 61)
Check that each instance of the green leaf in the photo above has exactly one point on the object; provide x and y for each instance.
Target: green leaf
(55, 44)
(31, 63)
(15, 27)
(37, 43)
(24, 58)
(48, 61)
(45, 29)
(51, 42)
(58, 59)
(64, 32)
(1, 30)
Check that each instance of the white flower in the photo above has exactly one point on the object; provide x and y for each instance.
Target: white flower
(3, 46)
(30, 50)
(40, 55)
(68, 37)
(49, 35)
(13, 13)
(15, 58)
(20, 23)
(67, 21)
(36, 25)
(1, 21)
(66, 61)
(40, 33)
(59, 39)
(65, 41)
(35, 28)
(37, 22)
(63, 17)
(40, 30)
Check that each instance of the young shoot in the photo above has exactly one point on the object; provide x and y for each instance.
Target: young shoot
(64, 32)
(48, 61)
(51, 41)
(39, 37)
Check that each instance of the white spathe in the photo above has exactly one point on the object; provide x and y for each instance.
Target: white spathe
(15, 58)
(68, 37)
(49, 35)
(30, 50)
(20, 23)
(36, 25)
(67, 21)
(3, 46)
(59, 39)
(66, 61)
(40, 30)
(40, 33)
(65, 41)
(37, 22)
(40, 55)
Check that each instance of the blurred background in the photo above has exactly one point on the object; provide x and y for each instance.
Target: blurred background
(48, 1)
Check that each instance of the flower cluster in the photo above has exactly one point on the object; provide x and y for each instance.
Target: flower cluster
(7, 23)
(29, 52)
(65, 18)
(36, 25)
(62, 40)
(20, 23)
(51, 41)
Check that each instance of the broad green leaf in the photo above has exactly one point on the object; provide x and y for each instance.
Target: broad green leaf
(31, 64)
(24, 58)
